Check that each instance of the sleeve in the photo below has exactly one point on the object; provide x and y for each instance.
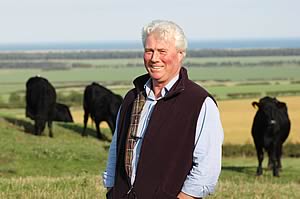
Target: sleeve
(109, 174)
(203, 177)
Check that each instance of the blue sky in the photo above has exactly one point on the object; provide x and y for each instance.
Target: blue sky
(114, 20)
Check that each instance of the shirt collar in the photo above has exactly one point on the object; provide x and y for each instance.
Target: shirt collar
(164, 91)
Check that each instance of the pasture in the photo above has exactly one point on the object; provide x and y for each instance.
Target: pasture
(236, 115)
(69, 166)
(220, 75)
(220, 81)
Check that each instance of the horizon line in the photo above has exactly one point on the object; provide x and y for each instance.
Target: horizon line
(139, 41)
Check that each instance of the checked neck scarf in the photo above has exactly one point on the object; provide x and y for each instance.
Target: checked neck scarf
(132, 130)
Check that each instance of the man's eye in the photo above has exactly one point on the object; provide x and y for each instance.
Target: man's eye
(162, 50)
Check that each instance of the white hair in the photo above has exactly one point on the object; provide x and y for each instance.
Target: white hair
(166, 29)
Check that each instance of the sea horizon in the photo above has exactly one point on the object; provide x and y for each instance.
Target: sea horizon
(137, 45)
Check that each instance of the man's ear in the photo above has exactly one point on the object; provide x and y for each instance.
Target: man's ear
(181, 55)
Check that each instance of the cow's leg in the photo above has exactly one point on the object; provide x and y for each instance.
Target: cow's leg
(270, 164)
(279, 156)
(277, 162)
(39, 126)
(274, 162)
(36, 128)
(99, 135)
(260, 157)
(50, 129)
(85, 120)
(111, 126)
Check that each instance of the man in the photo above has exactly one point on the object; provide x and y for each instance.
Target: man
(169, 135)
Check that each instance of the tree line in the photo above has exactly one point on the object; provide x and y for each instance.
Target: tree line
(128, 54)
(50, 65)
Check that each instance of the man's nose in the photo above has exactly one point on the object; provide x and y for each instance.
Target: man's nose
(155, 56)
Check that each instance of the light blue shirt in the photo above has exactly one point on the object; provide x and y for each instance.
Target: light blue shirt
(203, 177)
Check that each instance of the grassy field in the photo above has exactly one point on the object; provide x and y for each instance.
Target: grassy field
(219, 78)
(237, 180)
(233, 73)
(14, 79)
(220, 81)
(69, 166)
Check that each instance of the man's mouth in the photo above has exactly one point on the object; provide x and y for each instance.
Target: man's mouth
(156, 67)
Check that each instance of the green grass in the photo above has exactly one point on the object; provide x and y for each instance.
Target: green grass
(77, 186)
(236, 73)
(238, 179)
(222, 90)
(111, 72)
(127, 74)
(14, 80)
(24, 154)
(72, 75)
(69, 166)
(66, 166)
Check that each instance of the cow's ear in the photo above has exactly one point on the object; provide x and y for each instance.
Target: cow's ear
(255, 104)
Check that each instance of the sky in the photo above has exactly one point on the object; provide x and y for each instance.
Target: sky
(34, 21)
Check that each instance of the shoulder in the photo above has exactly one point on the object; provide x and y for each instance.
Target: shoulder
(211, 104)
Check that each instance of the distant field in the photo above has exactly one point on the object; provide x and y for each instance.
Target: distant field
(249, 59)
(223, 75)
(218, 80)
(234, 73)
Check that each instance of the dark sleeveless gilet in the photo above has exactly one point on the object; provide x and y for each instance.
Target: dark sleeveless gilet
(167, 148)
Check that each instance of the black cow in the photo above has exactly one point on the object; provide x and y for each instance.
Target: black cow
(271, 127)
(40, 103)
(102, 105)
(62, 113)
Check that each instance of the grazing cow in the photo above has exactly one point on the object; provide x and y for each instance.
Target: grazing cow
(40, 103)
(102, 105)
(271, 127)
(62, 113)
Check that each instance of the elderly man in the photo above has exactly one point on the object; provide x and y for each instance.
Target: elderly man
(168, 140)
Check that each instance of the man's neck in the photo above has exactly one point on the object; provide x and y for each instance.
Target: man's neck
(157, 88)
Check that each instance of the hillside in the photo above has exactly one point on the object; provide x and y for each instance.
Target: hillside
(67, 161)
(68, 153)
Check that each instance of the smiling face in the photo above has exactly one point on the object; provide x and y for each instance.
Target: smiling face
(161, 59)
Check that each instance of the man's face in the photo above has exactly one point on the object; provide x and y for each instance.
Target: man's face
(161, 59)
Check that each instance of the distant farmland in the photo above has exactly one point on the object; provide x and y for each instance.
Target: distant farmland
(69, 166)
(234, 81)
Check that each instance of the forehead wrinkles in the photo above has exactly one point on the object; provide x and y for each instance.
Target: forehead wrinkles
(162, 34)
